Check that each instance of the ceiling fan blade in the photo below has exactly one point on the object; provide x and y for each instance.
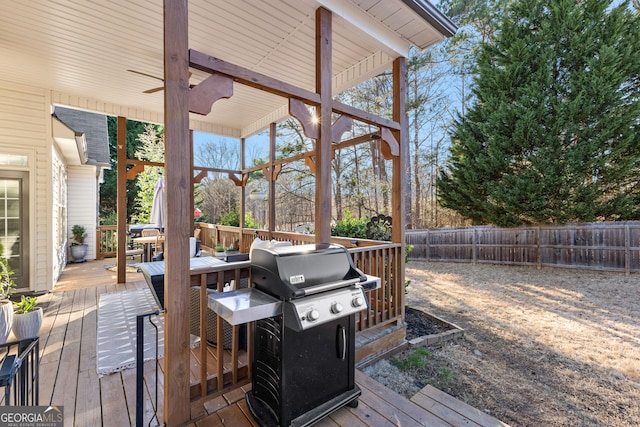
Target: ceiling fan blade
(158, 89)
(146, 75)
(154, 90)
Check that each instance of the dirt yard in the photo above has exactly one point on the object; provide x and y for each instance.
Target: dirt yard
(550, 347)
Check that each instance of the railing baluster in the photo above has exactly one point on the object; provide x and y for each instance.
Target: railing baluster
(203, 334)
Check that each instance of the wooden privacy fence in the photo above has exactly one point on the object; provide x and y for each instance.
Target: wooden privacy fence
(610, 246)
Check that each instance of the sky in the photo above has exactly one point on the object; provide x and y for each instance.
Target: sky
(257, 146)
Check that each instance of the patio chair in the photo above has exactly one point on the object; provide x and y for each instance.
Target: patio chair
(157, 246)
(133, 249)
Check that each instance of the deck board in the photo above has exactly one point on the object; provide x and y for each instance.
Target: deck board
(451, 409)
(113, 402)
(68, 373)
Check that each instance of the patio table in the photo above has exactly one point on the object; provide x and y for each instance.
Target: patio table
(148, 243)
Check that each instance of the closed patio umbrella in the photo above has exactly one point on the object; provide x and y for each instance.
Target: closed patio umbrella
(158, 206)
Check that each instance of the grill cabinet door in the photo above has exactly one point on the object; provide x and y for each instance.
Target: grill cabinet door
(294, 372)
(318, 365)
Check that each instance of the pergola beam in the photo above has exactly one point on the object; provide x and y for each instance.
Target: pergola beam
(210, 64)
(339, 146)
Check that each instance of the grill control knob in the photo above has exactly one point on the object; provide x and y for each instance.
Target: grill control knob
(313, 315)
(357, 302)
(336, 308)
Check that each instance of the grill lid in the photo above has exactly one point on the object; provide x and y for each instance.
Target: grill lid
(295, 271)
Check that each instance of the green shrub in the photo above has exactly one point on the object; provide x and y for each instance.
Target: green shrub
(231, 218)
(249, 221)
(350, 227)
(109, 219)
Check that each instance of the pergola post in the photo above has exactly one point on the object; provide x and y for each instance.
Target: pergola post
(243, 192)
(399, 170)
(399, 162)
(192, 181)
(177, 170)
(323, 143)
(272, 181)
(121, 186)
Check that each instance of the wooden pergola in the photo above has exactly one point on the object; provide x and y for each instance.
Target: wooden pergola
(180, 100)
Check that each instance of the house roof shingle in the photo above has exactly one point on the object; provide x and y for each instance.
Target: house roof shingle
(94, 128)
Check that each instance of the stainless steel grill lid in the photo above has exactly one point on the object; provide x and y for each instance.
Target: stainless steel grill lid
(295, 271)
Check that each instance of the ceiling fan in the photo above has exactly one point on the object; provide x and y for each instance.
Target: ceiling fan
(159, 88)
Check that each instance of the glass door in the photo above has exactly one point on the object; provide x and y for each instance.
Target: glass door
(14, 223)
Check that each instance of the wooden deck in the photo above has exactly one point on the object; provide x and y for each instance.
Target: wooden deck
(68, 373)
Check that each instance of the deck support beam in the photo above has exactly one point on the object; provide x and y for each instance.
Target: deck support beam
(178, 175)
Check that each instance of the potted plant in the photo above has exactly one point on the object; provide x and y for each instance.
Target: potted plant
(218, 251)
(234, 246)
(78, 246)
(27, 318)
(6, 307)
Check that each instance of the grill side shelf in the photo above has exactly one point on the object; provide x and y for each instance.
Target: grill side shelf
(244, 305)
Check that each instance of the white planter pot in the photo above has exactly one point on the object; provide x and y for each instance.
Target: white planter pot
(6, 320)
(79, 252)
(27, 325)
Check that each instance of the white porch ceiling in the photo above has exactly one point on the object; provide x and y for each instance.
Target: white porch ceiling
(81, 50)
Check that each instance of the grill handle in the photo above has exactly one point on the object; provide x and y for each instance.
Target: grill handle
(342, 342)
(330, 286)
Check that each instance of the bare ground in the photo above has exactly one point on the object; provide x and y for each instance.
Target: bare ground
(550, 347)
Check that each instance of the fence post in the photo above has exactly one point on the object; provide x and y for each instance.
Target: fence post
(627, 250)
(538, 255)
(427, 249)
(474, 249)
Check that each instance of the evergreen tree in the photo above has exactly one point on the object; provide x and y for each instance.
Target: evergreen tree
(152, 150)
(553, 136)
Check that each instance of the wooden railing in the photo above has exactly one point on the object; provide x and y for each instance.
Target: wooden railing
(229, 373)
(386, 304)
(106, 241)
(232, 367)
(213, 234)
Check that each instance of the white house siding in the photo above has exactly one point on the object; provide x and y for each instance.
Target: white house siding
(59, 224)
(25, 128)
(82, 200)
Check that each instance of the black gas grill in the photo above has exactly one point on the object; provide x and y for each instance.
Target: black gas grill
(303, 359)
